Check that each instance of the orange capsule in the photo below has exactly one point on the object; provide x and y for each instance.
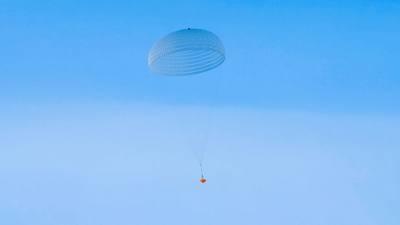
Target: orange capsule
(203, 180)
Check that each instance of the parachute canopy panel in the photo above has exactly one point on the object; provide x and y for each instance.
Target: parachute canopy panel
(186, 52)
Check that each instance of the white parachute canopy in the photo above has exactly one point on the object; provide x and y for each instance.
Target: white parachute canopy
(185, 52)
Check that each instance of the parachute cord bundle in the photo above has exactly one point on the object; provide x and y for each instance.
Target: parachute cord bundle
(201, 169)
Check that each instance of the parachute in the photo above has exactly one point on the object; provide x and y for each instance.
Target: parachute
(187, 52)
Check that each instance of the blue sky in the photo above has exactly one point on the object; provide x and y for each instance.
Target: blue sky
(303, 117)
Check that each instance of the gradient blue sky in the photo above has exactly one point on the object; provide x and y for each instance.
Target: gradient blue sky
(304, 129)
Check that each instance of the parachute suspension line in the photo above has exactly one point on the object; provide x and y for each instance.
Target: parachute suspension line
(208, 132)
(201, 169)
(211, 114)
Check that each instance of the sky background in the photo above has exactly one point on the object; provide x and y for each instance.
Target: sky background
(303, 118)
